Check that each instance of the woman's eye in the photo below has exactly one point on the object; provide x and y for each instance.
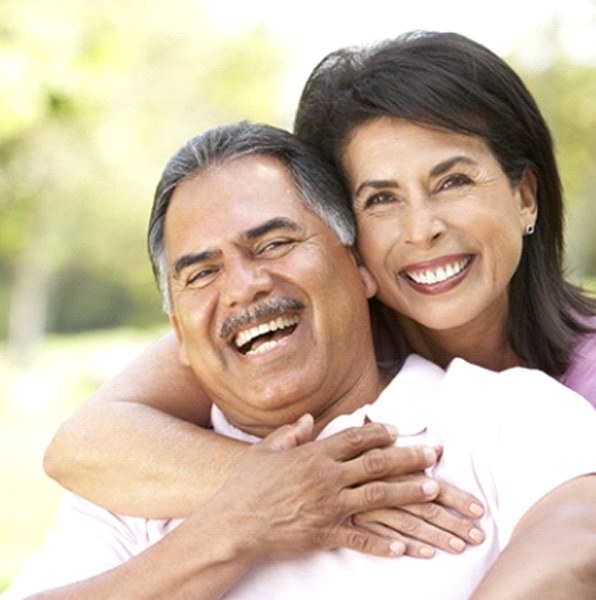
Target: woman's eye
(379, 198)
(455, 180)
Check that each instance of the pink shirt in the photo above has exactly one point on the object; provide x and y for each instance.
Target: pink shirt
(391, 349)
(509, 459)
(581, 375)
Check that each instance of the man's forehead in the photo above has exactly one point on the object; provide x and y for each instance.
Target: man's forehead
(238, 200)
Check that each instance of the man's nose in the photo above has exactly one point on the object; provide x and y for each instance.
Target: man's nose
(244, 281)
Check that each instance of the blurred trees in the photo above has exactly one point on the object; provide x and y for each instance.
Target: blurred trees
(94, 97)
(565, 89)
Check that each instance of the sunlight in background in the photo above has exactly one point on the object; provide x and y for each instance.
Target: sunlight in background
(211, 70)
(317, 27)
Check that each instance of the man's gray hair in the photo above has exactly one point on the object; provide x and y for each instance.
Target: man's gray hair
(316, 181)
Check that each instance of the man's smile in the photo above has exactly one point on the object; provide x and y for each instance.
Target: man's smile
(265, 336)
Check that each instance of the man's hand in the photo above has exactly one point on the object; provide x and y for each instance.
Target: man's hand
(290, 495)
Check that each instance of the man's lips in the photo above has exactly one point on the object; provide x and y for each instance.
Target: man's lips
(268, 333)
(262, 326)
(438, 275)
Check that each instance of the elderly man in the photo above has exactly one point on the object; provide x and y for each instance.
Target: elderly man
(252, 250)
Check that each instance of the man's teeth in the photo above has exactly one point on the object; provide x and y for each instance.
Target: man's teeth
(431, 276)
(246, 336)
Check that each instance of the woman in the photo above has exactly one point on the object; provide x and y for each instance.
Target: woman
(376, 113)
(369, 111)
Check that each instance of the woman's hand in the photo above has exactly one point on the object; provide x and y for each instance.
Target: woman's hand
(289, 495)
(445, 523)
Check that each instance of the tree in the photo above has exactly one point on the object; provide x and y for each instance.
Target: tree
(95, 97)
(565, 88)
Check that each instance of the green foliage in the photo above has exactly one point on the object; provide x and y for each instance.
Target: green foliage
(33, 403)
(565, 90)
(94, 97)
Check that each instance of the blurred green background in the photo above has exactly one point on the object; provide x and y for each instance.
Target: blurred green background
(94, 97)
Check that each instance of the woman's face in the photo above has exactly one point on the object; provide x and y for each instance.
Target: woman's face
(439, 224)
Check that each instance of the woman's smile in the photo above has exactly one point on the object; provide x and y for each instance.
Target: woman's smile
(438, 275)
(440, 226)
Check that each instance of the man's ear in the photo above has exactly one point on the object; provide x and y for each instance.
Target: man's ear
(528, 202)
(182, 355)
(370, 284)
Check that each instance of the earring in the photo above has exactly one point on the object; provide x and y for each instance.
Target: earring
(530, 229)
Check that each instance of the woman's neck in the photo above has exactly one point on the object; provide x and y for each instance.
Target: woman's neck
(487, 347)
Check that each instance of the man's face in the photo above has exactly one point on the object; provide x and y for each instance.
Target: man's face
(270, 308)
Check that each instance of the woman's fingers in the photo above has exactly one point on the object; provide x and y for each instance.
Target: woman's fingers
(460, 501)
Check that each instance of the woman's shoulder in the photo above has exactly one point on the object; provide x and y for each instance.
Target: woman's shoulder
(581, 374)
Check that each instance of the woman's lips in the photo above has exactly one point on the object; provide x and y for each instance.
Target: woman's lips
(439, 275)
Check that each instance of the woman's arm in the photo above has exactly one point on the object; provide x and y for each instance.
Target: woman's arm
(138, 445)
(552, 552)
(277, 518)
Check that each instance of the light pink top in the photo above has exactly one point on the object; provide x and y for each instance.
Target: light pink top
(508, 438)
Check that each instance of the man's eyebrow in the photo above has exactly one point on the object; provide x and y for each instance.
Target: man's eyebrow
(187, 260)
(439, 169)
(271, 225)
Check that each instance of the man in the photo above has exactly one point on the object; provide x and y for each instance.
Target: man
(252, 250)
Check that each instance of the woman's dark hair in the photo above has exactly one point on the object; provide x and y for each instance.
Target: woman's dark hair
(449, 82)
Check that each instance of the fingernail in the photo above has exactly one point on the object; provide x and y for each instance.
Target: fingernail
(430, 455)
(426, 552)
(397, 548)
(476, 509)
(430, 487)
(392, 430)
(476, 535)
(457, 544)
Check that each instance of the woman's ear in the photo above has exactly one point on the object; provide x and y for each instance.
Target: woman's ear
(528, 201)
(182, 355)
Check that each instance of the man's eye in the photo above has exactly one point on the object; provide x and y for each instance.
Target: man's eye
(275, 246)
(456, 180)
(201, 277)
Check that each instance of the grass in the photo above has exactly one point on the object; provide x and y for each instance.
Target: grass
(33, 402)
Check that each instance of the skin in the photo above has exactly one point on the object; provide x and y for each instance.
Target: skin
(262, 244)
(275, 249)
(244, 534)
(277, 518)
(426, 200)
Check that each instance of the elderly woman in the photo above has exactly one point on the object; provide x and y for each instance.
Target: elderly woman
(457, 199)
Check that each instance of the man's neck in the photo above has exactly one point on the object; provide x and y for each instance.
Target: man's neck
(365, 390)
(355, 389)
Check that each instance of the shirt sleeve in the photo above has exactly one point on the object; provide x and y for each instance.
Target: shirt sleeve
(86, 540)
(581, 375)
(546, 437)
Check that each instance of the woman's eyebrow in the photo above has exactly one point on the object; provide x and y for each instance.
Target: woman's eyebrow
(445, 165)
(439, 169)
(376, 184)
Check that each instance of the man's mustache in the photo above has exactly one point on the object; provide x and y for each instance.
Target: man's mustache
(268, 308)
